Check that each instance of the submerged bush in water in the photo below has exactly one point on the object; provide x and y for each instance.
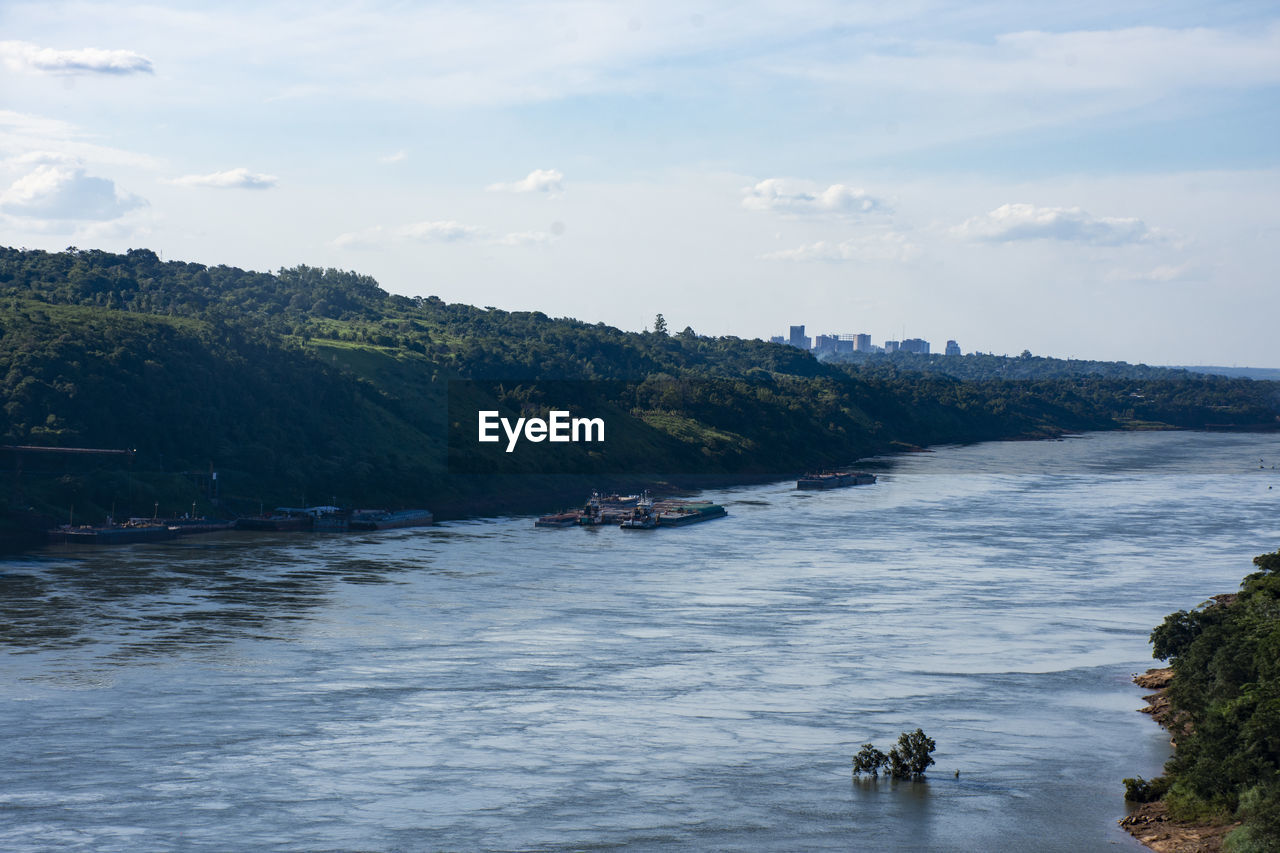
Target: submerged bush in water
(908, 760)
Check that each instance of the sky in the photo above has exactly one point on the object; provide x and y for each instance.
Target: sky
(1088, 180)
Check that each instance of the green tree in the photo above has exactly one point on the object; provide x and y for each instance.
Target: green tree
(1175, 634)
(912, 756)
(908, 760)
(869, 760)
(1225, 693)
(660, 325)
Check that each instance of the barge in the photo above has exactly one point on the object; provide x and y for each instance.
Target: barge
(122, 534)
(690, 513)
(835, 480)
(381, 519)
(634, 512)
(278, 522)
(608, 509)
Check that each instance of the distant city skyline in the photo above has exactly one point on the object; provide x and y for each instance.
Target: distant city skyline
(851, 342)
(1089, 180)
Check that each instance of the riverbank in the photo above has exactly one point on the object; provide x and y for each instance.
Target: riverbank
(1150, 823)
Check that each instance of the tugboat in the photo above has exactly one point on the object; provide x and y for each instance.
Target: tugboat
(609, 509)
(642, 516)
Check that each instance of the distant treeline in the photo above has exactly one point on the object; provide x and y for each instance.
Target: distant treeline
(983, 366)
(309, 385)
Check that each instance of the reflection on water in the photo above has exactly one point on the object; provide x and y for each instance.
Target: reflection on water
(485, 685)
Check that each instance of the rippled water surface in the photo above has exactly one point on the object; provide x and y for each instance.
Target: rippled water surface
(485, 685)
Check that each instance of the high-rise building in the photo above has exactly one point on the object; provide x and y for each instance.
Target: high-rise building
(862, 343)
(891, 346)
(825, 343)
(777, 339)
(798, 338)
(953, 348)
(916, 345)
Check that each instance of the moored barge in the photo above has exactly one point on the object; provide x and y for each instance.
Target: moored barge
(388, 520)
(835, 480)
(690, 513)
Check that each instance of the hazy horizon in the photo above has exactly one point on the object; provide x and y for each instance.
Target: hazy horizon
(1084, 182)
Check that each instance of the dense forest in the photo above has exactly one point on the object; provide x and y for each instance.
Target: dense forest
(308, 385)
(1224, 703)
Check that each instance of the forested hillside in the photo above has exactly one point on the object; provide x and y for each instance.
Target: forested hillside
(307, 385)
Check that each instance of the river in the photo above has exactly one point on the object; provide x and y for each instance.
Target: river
(484, 685)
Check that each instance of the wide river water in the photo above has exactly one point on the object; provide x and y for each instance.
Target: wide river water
(484, 685)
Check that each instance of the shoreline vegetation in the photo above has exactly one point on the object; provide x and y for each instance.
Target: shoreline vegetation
(1219, 699)
(312, 386)
(1150, 823)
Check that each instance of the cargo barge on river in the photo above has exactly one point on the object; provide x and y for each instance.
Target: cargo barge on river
(135, 530)
(381, 519)
(835, 480)
(634, 512)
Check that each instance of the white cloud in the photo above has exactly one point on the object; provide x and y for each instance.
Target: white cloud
(24, 56)
(126, 228)
(240, 178)
(43, 158)
(782, 196)
(1160, 274)
(398, 157)
(539, 180)
(889, 246)
(368, 238)
(1013, 222)
(525, 238)
(65, 192)
(441, 230)
(47, 140)
(437, 231)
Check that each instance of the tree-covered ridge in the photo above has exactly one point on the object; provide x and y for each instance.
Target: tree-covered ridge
(310, 383)
(306, 303)
(1225, 699)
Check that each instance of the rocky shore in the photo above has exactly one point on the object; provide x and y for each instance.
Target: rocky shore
(1150, 823)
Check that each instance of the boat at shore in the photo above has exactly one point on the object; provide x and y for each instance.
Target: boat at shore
(835, 480)
(681, 514)
(381, 519)
(649, 514)
(116, 534)
(134, 530)
(633, 512)
(641, 516)
(282, 520)
(607, 509)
